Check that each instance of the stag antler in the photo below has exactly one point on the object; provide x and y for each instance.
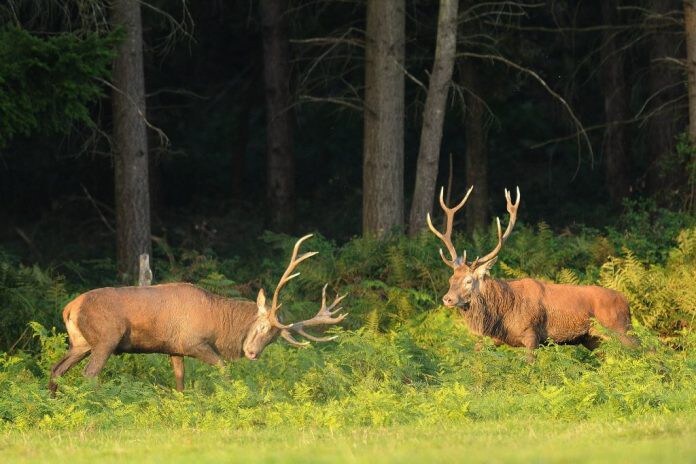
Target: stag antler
(287, 276)
(512, 211)
(325, 316)
(447, 236)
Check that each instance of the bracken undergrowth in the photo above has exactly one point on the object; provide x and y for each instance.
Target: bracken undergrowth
(400, 358)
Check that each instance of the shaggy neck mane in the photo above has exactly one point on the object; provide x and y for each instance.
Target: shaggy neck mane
(489, 306)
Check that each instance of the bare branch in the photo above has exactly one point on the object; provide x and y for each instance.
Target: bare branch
(164, 140)
(338, 101)
(177, 28)
(595, 127)
(581, 129)
(96, 207)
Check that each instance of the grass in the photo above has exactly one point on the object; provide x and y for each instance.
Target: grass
(654, 438)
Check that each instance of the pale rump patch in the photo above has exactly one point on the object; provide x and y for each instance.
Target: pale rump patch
(75, 335)
(70, 317)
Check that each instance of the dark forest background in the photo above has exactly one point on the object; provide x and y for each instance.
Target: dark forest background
(582, 104)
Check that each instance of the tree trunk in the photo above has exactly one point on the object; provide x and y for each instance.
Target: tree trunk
(476, 149)
(383, 148)
(280, 163)
(434, 115)
(130, 143)
(690, 33)
(616, 161)
(664, 84)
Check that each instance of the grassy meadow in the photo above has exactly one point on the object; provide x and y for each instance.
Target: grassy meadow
(649, 439)
(404, 382)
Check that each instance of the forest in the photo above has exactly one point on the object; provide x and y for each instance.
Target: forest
(210, 136)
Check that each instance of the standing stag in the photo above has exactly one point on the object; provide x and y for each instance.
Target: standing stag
(180, 320)
(526, 312)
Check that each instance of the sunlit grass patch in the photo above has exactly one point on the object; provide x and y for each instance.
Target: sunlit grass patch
(661, 438)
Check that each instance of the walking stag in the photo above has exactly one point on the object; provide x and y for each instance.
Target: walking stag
(180, 319)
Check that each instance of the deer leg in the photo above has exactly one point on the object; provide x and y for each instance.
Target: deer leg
(621, 329)
(624, 338)
(178, 366)
(591, 341)
(74, 356)
(478, 346)
(617, 318)
(100, 354)
(205, 353)
(530, 340)
(629, 340)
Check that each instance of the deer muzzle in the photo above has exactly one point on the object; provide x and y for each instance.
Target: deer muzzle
(452, 300)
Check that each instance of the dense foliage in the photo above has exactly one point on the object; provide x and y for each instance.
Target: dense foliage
(390, 281)
(425, 371)
(48, 84)
(400, 358)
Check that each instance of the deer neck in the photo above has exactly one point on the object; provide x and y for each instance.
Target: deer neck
(237, 318)
(488, 308)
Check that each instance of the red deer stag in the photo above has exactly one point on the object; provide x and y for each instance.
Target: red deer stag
(526, 312)
(180, 320)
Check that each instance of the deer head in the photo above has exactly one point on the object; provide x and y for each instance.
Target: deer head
(268, 326)
(469, 277)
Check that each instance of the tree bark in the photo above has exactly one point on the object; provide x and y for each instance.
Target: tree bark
(664, 83)
(690, 33)
(130, 143)
(280, 162)
(434, 115)
(476, 211)
(616, 161)
(383, 146)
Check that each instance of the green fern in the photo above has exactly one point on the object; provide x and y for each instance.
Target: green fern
(511, 272)
(567, 276)
(372, 320)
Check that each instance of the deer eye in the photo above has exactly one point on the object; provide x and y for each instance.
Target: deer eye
(467, 280)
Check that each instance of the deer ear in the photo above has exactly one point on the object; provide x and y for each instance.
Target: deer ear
(484, 270)
(261, 302)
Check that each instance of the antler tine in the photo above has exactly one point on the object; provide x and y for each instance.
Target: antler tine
(446, 237)
(308, 336)
(461, 203)
(512, 211)
(287, 276)
(441, 237)
(502, 237)
(325, 316)
(285, 333)
(330, 309)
